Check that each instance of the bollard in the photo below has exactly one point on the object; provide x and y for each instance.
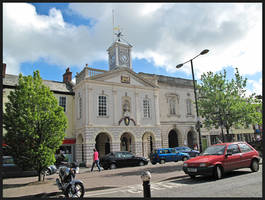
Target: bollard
(146, 176)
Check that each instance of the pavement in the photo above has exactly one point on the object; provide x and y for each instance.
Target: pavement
(28, 187)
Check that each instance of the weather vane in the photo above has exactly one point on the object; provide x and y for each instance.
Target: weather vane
(119, 32)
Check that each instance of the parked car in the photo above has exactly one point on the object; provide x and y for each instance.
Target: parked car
(10, 169)
(220, 158)
(163, 155)
(191, 152)
(52, 169)
(121, 159)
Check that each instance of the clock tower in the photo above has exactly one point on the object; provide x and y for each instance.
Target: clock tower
(120, 55)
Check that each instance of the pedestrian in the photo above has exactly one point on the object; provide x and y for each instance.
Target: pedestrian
(95, 160)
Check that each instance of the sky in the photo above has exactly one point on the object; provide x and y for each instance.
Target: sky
(50, 37)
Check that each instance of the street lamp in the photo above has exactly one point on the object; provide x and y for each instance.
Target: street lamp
(195, 93)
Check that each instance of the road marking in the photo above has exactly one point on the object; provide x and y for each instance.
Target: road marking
(136, 189)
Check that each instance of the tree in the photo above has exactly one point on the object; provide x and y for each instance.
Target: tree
(35, 124)
(224, 103)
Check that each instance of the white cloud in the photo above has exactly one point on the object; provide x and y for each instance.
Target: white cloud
(257, 86)
(165, 34)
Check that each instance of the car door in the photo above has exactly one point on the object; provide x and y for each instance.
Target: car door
(232, 162)
(129, 159)
(247, 154)
(163, 155)
(172, 155)
(119, 159)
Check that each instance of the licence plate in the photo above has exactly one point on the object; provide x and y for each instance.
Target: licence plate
(192, 169)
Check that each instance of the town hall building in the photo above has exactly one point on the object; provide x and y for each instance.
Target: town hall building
(121, 110)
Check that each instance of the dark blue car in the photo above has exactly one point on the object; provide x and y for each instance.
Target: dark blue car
(163, 155)
(191, 152)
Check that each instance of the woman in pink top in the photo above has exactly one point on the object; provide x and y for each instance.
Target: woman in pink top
(95, 160)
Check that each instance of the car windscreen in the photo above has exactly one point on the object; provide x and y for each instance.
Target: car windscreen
(214, 150)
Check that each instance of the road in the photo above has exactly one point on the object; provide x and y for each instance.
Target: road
(240, 183)
(168, 180)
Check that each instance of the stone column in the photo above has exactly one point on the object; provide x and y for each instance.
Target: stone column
(137, 109)
(78, 153)
(116, 146)
(90, 105)
(89, 153)
(84, 105)
(157, 109)
(138, 148)
(115, 107)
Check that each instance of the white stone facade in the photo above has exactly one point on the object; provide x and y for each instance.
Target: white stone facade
(103, 103)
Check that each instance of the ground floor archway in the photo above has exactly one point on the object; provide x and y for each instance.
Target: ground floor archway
(173, 139)
(103, 141)
(191, 138)
(127, 142)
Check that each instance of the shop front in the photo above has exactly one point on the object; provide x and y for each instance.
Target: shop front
(67, 149)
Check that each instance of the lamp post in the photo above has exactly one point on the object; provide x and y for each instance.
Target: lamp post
(195, 93)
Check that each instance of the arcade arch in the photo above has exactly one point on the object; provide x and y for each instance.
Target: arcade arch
(148, 143)
(191, 138)
(103, 143)
(173, 140)
(127, 142)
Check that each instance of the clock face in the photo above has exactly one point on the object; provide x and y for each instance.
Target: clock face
(123, 57)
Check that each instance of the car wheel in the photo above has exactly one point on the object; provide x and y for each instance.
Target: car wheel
(254, 166)
(141, 163)
(192, 176)
(153, 163)
(105, 168)
(113, 166)
(162, 161)
(185, 158)
(218, 172)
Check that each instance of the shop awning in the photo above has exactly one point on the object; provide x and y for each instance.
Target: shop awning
(69, 141)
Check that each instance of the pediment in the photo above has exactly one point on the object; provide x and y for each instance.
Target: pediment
(123, 76)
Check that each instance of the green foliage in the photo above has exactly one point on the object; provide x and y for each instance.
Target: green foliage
(223, 102)
(34, 122)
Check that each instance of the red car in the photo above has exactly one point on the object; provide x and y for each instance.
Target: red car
(220, 158)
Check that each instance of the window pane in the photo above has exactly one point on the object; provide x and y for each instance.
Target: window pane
(102, 106)
(244, 148)
(62, 102)
(146, 109)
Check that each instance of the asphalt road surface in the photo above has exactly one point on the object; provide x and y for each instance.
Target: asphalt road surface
(240, 183)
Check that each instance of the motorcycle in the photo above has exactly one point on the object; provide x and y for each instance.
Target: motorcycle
(68, 184)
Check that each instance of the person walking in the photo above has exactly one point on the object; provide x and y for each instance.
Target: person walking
(95, 160)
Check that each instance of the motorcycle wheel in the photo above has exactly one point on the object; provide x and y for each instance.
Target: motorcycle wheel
(77, 192)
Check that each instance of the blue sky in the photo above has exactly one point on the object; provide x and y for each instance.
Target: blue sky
(50, 37)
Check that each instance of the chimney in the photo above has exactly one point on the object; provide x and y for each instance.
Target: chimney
(4, 70)
(67, 77)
